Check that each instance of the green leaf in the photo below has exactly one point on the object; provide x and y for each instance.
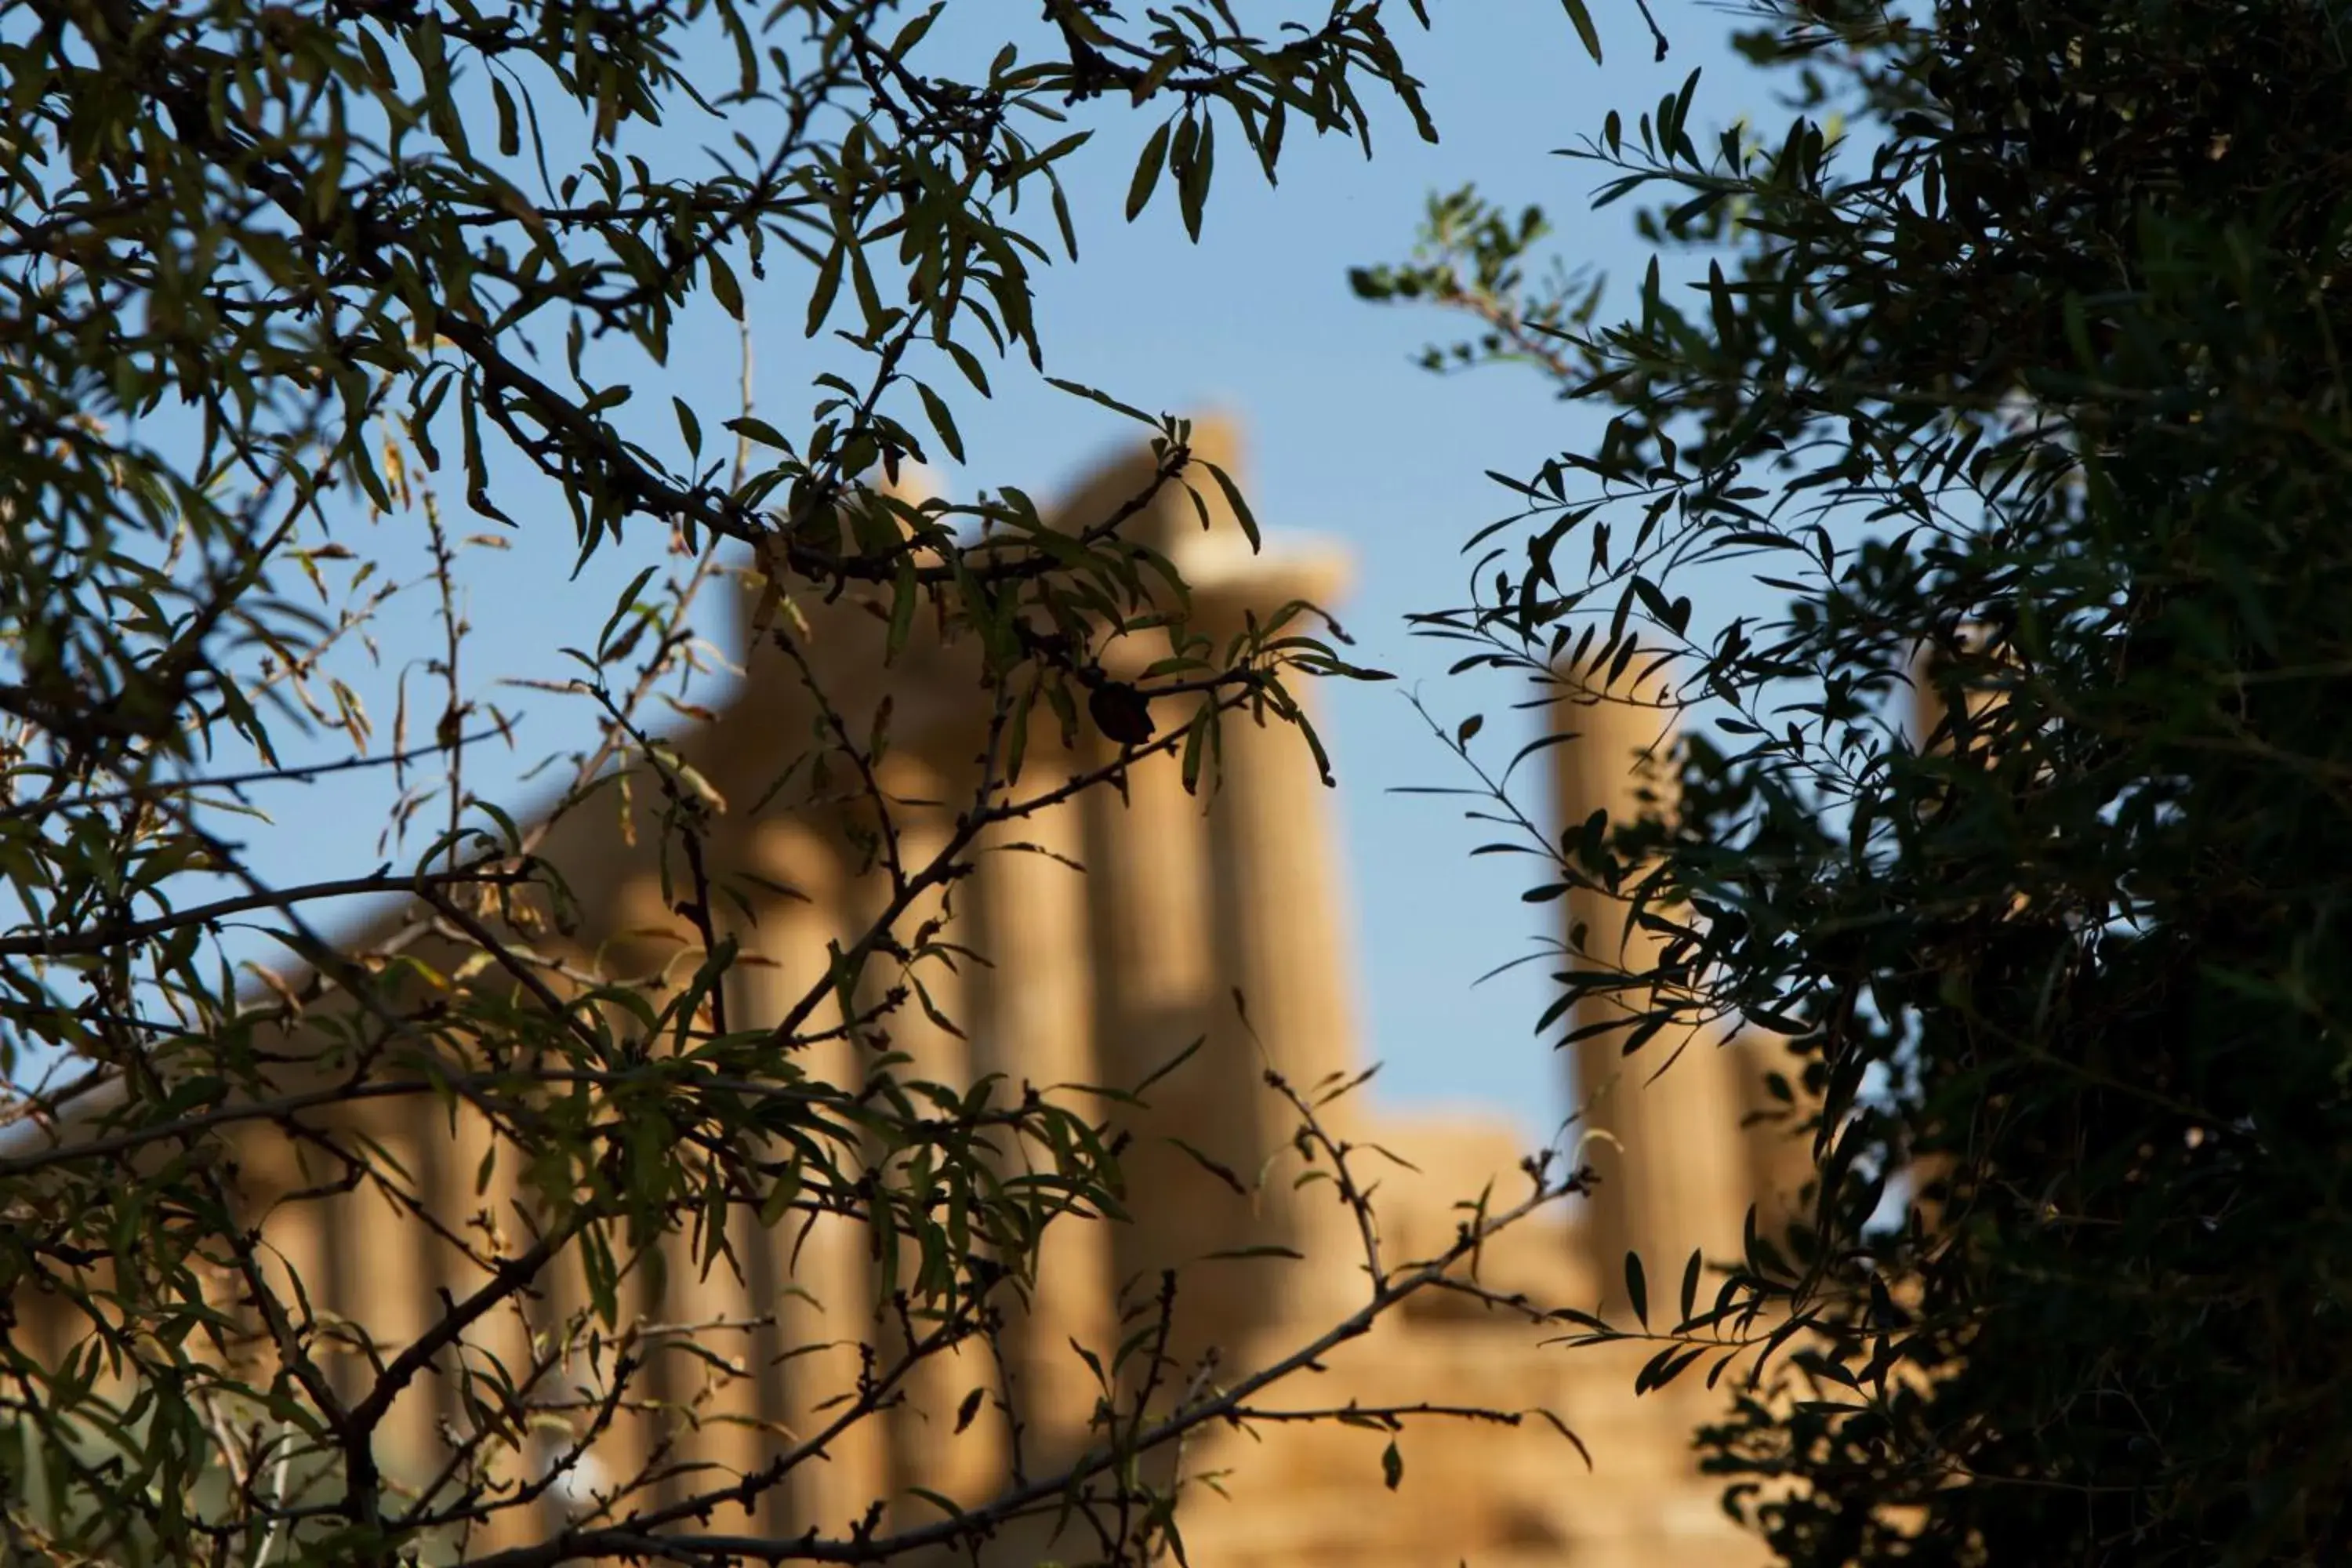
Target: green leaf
(726, 286)
(913, 32)
(827, 285)
(935, 407)
(904, 591)
(1193, 176)
(1637, 1288)
(1391, 1466)
(753, 427)
(1076, 389)
(1727, 314)
(1233, 498)
(622, 606)
(969, 365)
(510, 130)
(1581, 15)
(1217, 1168)
(1146, 170)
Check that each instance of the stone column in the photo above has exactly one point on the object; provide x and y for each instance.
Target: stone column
(714, 1358)
(925, 1448)
(538, 1333)
(1033, 1026)
(479, 1201)
(1280, 945)
(700, 1363)
(602, 1482)
(46, 1326)
(1197, 904)
(1661, 1129)
(718, 1357)
(391, 1275)
(1193, 905)
(823, 1303)
(1155, 959)
(296, 1256)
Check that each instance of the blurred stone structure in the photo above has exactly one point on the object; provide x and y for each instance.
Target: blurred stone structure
(1100, 976)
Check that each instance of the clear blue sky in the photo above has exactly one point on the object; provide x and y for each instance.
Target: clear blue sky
(1349, 441)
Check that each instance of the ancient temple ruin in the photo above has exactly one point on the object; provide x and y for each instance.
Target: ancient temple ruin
(1098, 975)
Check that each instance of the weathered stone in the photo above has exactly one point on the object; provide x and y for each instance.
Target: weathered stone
(1097, 975)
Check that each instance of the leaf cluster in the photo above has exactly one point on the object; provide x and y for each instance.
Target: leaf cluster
(277, 279)
(2014, 368)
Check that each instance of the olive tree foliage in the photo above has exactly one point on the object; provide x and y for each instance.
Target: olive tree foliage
(289, 285)
(2012, 365)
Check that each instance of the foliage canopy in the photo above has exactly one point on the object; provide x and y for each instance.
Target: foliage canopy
(276, 273)
(2013, 365)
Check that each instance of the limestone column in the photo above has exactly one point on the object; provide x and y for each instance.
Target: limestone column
(926, 1449)
(1277, 913)
(599, 1480)
(1034, 1025)
(1155, 963)
(295, 1254)
(1660, 1131)
(823, 1306)
(558, 1326)
(46, 1326)
(711, 1353)
(1195, 904)
(643, 938)
(391, 1276)
(701, 1350)
(480, 1202)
